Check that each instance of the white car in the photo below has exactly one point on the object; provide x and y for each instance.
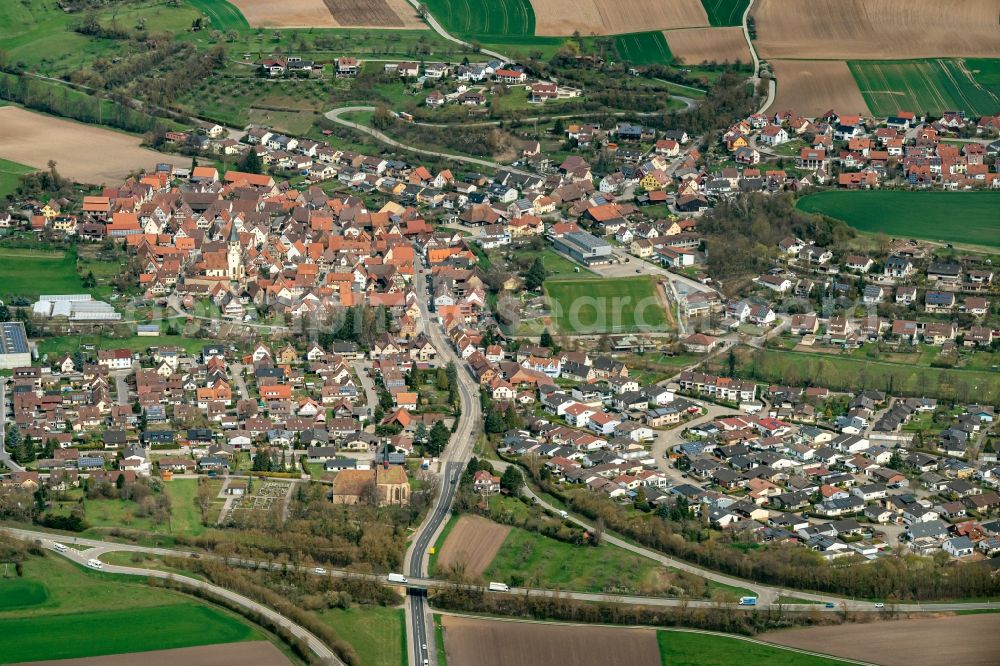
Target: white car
(879, 605)
(96, 564)
(319, 571)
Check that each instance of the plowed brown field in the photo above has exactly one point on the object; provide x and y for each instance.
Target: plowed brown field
(970, 640)
(84, 153)
(472, 544)
(330, 13)
(258, 653)
(869, 30)
(609, 17)
(813, 87)
(503, 643)
(697, 45)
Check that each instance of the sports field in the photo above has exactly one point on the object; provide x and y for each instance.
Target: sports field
(223, 15)
(606, 306)
(933, 86)
(34, 272)
(643, 48)
(473, 17)
(725, 12)
(953, 217)
(10, 176)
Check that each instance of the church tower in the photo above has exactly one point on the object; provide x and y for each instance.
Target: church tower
(235, 255)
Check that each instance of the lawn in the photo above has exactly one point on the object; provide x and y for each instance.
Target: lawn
(643, 48)
(533, 560)
(842, 373)
(933, 86)
(10, 176)
(956, 217)
(224, 16)
(488, 20)
(683, 648)
(34, 272)
(376, 633)
(17, 593)
(67, 344)
(725, 12)
(609, 305)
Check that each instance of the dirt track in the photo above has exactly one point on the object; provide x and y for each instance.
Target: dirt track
(609, 17)
(868, 30)
(255, 653)
(697, 45)
(330, 13)
(85, 153)
(969, 640)
(472, 642)
(813, 87)
(472, 543)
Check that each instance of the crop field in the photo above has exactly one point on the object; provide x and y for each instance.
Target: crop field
(840, 373)
(688, 648)
(812, 87)
(643, 48)
(258, 653)
(970, 640)
(933, 86)
(510, 643)
(329, 13)
(725, 12)
(10, 176)
(471, 545)
(376, 633)
(34, 139)
(34, 272)
(222, 14)
(954, 217)
(612, 17)
(610, 305)
(693, 46)
(886, 30)
(475, 17)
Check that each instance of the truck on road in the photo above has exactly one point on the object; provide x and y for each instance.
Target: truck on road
(499, 587)
(748, 601)
(396, 578)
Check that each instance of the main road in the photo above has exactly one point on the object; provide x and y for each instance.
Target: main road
(419, 639)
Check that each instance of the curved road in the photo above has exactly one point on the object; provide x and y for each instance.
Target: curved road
(755, 79)
(433, 23)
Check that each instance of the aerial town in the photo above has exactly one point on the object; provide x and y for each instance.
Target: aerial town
(529, 333)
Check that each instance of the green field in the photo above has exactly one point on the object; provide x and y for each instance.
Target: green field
(67, 344)
(643, 48)
(17, 593)
(376, 633)
(954, 217)
(10, 176)
(684, 648)
(184, 515)
(842, 373)
(608, 305)
(90, 614)
(932, 86)
(486, 20)
(34, 272)
(725, 12)
(224, 16)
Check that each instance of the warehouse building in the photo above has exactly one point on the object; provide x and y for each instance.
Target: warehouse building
(14, 349)
(584, 247)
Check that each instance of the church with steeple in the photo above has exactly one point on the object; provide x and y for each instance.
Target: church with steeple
(234, 255)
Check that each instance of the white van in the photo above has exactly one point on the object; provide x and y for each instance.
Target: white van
(58, 546)
(97, 564)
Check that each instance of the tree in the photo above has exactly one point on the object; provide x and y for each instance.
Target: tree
(251, 163)
(512, 480)
(546, 339)
(536, 275)
(438, 439)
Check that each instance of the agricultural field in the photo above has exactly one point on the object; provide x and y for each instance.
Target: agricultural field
(841, 373)
(725, 12)
(693, 46)
(488, 642)
(955, 217)
(469, 17)
(222, 14)
(611, 17)
(689, 648)
(34, 139)
(376, 633)
(10, 176)
(971, 640)
(258, 653)
(610, 305)
(78, 602)
(329, 13)
(812, 87)
(643, 48)
(887, 30)
(932, 86)
(33, 272)
(471, 545)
